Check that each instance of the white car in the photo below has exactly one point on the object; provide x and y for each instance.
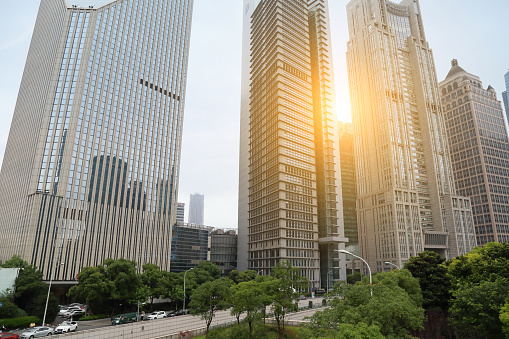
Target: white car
(156, 315)
(66, 326)
(67, 310)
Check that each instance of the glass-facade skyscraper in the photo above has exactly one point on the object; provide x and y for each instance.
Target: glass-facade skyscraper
(479, 151)
(91, 164)
(505, 95)
(406, 201)
(290, 203)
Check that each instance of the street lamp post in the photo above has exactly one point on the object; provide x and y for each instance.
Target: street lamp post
(369, 268)
(47, 297)
(389, 263)
(185, 288)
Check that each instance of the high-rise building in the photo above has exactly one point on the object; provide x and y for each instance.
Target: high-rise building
(196, 202)
(348, 188)
(505, 95)
(289, 191)
(223, 250)
(479, 151)
(190, 244)
(181, 207)
(91, 165)
(406, 199)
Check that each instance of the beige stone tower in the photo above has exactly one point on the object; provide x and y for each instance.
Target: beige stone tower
(406, 201)
(290, 196)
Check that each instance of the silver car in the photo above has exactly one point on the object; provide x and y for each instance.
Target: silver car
(36, 332)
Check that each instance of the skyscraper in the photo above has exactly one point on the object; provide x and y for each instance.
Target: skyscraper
(91, 164)
(180, 211)
(196, 209)
(406, 199)
(505, 95)
(347, 161)
(289, 191)
(479, 151)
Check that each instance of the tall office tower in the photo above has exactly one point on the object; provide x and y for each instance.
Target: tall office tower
(91, 165)
(406, 197)
(479, 151)
(181, 207)
(347, 162)
(289, 201)
(505, 95)
(196, 209)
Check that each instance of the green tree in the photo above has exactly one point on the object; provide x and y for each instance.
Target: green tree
(31, 291)
(390, 308)
(9, 308)
(504, 318)
(283, 289)
(476, 308)
(210, 297)
(404, 279)
(354, 277)
(122, 281)
(92, 289)
(152, 277)
(205, 271)
(428, 267)
(345, 331)
(487, 263)
(248, 297)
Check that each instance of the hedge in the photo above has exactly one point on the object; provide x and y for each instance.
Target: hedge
(94, 317)
(19, 322)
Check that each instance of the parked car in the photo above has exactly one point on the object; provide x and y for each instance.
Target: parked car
(156, 315)
(65, 311)
(9, 336)
(124, 318)
(36, 332)
(171, 314)
(76, 314)
(302, 297)
(66, 326)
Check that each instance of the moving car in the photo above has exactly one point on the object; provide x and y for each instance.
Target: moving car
(124, 318)
(8, 336)
(156, 315)
(66, 326)
(36, 332)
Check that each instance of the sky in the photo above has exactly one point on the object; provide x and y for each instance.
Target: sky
(472, 31)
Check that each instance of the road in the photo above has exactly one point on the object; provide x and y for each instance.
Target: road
(156, 328)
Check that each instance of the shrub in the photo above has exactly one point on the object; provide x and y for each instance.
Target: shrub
(324, 302)
(94, 317)
(19, 322)
(310, 304)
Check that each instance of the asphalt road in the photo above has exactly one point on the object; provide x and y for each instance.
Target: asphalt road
(188, 322)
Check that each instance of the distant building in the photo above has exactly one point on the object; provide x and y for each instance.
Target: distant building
(196, 214)
(505, 95)
(190, 244)
(479, 151)
(180, 211)
(347, 162)
(223, 249)
(8, 279)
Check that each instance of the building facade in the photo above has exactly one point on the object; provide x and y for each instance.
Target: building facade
(196, 209)
(91, 164)
(181, 207)
(223, 250)
(407, 202)
(479, 147)
(190, 244)
(290, 204)
(505, 95)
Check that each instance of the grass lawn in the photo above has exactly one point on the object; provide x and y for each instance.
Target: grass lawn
(271, 332)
